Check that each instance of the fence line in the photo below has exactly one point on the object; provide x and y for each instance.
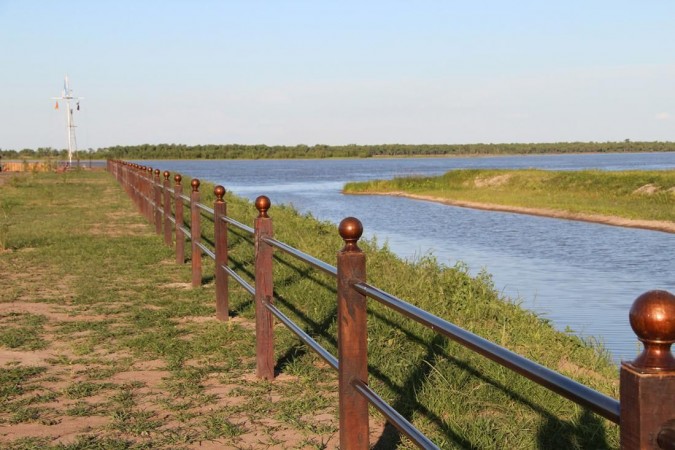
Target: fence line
(645, 412)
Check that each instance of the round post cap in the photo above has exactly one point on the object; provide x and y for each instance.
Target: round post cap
(652, 318)
(350, 230)
(166, 175)
(263, 204)
(177, 178)
(219, 191)
(195, 185)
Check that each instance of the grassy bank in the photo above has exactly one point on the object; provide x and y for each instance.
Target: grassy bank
(102, 345)
(645, 195)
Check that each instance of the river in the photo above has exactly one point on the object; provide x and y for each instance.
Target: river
(581, 276)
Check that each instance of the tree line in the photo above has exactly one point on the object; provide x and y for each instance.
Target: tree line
(238, 151)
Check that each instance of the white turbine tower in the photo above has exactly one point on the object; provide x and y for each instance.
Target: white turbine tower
(67, 96)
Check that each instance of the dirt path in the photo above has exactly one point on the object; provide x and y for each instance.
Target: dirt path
(80, 366)
(658, 225)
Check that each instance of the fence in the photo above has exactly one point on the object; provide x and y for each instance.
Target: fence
(645, 412)
(37, 166)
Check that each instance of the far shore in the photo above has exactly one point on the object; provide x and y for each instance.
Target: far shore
(657, 225)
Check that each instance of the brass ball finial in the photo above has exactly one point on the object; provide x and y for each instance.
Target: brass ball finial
(220, 193)
(652, 318)
(157, 172)
(166, 175)
(263, 204)
(177, 178)
(150, 170)
(195, 185)
(350, 230)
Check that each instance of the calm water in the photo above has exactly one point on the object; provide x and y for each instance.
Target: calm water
(581, 276)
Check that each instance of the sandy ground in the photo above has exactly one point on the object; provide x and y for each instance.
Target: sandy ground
(658, 225)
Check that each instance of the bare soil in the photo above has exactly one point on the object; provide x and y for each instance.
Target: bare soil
(50, 411)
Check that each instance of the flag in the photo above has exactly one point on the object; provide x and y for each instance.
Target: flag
(56, 106)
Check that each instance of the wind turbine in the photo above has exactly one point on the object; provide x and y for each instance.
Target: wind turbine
(67, 96)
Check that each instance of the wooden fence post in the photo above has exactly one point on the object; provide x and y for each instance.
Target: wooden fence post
(166, 206)
(264, 291)
(148, 195)
(157, 191)
(220, 231)
(195, 234)
(137, 189)
(352, 337)
(157, 200)
(648, 382)
(180, 221)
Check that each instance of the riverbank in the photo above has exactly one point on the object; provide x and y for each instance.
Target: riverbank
(656, 225)
(639, 199)
(131, 354)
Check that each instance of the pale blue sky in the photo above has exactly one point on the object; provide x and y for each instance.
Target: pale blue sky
(338, 72)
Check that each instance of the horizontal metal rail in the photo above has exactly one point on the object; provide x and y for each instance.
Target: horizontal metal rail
(206, 250)
(185, 197)
(568, 388)
(205, 208)
(186, 231)
(393, 416)
(304, 337)
(312, 261)
(243, 283)
(172, 219)
(239, 225)
(171, 190)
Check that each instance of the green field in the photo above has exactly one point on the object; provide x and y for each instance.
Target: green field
(646, 195)
(106, 331)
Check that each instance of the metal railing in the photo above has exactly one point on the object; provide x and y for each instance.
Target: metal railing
(645, 412)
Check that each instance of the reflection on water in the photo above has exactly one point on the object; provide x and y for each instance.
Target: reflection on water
(581, 276)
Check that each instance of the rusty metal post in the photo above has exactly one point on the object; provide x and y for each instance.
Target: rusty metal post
(166, 206)
(157, 192)
(180, 221)
(195, 234)
(264, 291)
(220, 231)
(648, 383)
(352, 337)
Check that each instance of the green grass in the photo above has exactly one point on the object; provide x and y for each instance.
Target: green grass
(648, 195)
(113, 316)
(22, 331)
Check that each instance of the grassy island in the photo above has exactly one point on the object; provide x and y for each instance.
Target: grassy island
(104, 345)
(631, 198)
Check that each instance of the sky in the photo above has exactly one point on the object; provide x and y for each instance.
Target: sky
(337, 72)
